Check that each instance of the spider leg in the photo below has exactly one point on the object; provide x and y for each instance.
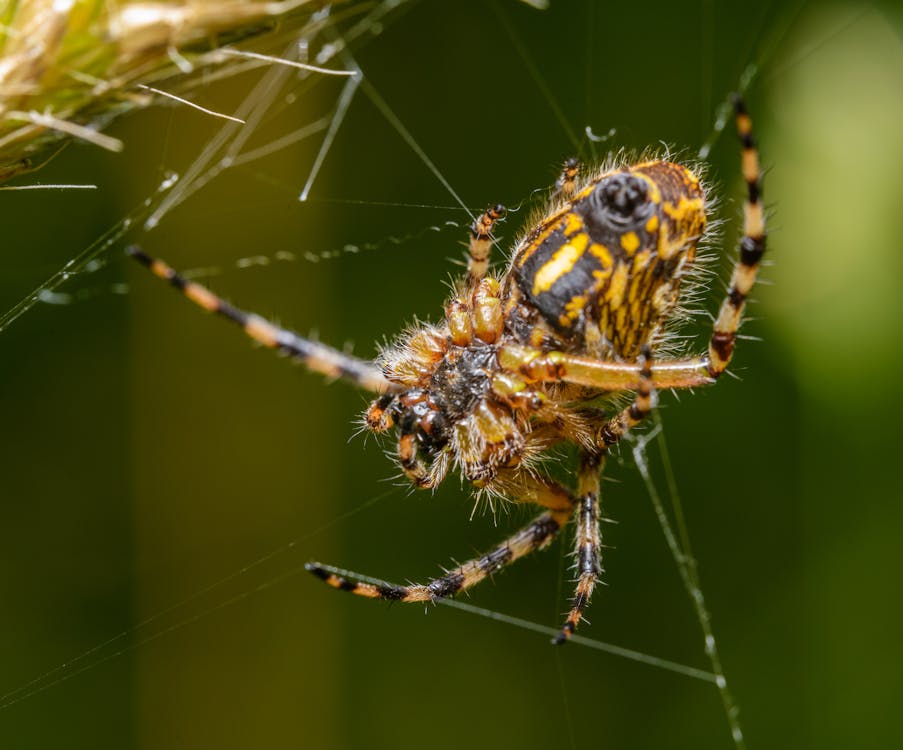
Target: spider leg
(481, 243)
(589, 538)
(313, 355)
(588, 541)
(535, 365)
(752, 247)
(535, 535)
(567, 182)
(619, 425)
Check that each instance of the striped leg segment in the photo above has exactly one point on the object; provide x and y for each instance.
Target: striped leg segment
(481, 243)
(752, 247)
(588, 550)
(533, 536)
(315, 356)
(619, 425)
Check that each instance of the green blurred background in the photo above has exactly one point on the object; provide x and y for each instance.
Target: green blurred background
(149, 451)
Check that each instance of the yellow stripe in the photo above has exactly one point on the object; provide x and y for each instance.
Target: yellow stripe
(560, 263)
(617, 287)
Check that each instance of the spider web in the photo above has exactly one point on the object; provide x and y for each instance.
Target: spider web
(341, 191)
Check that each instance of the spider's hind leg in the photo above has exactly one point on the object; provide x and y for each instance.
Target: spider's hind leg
(535, 535)
(589, 539)
(588, 547)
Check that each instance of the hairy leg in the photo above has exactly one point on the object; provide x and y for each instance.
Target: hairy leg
(313, 355)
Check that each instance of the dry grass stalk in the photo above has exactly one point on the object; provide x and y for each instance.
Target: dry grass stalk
(68, 67)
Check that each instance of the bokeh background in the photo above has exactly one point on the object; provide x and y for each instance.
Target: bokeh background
(149, 452)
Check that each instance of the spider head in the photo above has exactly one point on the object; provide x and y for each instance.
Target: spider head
(481, 440)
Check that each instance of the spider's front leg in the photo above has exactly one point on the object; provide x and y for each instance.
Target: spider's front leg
(315, 356)
(481, 243)
(481, 229)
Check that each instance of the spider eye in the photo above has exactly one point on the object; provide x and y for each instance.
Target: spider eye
(625, 196)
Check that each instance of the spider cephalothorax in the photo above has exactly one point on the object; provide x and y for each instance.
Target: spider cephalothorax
(542, 353)
(451, 408)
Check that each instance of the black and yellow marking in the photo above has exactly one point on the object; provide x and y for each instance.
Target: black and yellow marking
(535, 535)
(752, 248)
(605, 267)
(313, 355)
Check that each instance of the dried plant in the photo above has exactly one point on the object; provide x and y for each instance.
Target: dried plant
(68, 67)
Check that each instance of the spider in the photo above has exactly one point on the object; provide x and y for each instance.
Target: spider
(537, 356)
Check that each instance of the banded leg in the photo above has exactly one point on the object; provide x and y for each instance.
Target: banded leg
(533, 536)
(588, 542)
(481, 243)
(619, 425)
(313, 355)
(752, 247)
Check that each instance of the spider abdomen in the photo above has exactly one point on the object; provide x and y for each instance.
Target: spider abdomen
(603, 270)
